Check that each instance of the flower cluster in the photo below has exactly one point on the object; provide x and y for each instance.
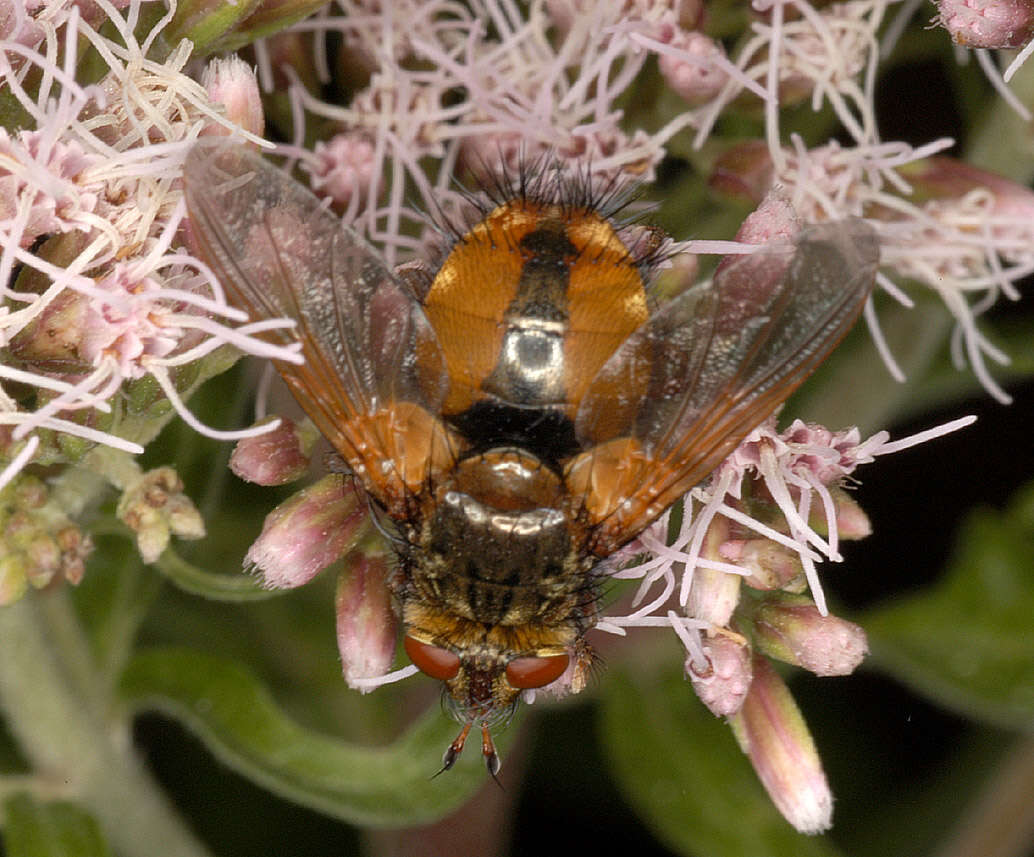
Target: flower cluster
(108, 319)
(98, 293)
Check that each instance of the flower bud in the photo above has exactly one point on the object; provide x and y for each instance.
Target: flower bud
(13, 577)
(771, 731)
(774, 219)
(17, 25)
(723, 685)
(744, 171)
(38, 542)
(945, 178)
(771, 565)
(714, 594)
(988, 23)
(232, 83)
(51, 341)
(698, 76)
(307, 532)
(852, 522)
(791, 629)
(346, 167)
(44, 560)
(275, 457)
(366, 627)
(156, 508)
(75, 546)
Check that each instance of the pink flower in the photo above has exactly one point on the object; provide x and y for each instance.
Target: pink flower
(129, 327)
(40, 184)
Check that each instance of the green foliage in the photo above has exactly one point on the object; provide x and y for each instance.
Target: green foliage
(967, 642)
(684, 773)
(59, 829)
(237, 718)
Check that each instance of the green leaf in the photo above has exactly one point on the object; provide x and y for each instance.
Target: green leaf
(967, 641)
(204, 22)
(59, 829)
(269, 18)
(681, 768)
(238, 720)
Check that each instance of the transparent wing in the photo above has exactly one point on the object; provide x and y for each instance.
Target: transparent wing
(719, 359)
(373, 378)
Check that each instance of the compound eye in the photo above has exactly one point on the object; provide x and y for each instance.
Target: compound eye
(528, 673)
(431, 660)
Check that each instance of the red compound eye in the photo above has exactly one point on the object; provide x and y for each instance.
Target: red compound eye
(432, 660)
(528, 673)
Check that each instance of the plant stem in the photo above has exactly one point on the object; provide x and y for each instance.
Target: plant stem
(1000, 821)
(66, 739)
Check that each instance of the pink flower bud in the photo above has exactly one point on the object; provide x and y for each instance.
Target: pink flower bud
(852, 522)
(346, 167)
(771, 565)
(366, 627)
(944, 178)
(744, 171)
(564, 13)
(988, 23)
(723, 686)
(774, 219)
(697, 74)
(791, 629)
(771, 731)
(307, 532)
(275, 457)
(714, 594)
(231, 83)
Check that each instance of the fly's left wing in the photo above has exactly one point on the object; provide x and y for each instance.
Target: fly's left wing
(373, 379)
(719, 358)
